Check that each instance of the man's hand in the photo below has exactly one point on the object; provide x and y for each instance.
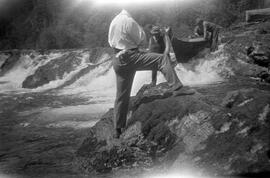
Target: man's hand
(167, 30)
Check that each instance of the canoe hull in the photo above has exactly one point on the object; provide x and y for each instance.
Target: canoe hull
(185, 50)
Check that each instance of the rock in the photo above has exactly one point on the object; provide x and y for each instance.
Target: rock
(262, 31)
(248, 50)
(13, 58)
(53, 70)
(230, 138)
(68, 67)
(132, 131)
(221, 130)
(264, 76)
(234, 98)
(259, 54)
(148, 93)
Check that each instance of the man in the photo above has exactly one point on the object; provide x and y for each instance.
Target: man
(156, 41)
(125, 37)
(209, 31)
(157, 44)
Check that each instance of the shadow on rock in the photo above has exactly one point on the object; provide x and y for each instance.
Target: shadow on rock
(169, 133)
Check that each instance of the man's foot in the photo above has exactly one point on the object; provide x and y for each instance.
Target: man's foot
(176, 87)
(184, 91)
(152, 84)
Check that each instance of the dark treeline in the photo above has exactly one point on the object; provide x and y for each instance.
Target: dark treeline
(57, 24)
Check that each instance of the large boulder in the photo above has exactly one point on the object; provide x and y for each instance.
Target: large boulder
(224, 134)
(68, 67)
(221, 130)
(54, 70)
(259, 54)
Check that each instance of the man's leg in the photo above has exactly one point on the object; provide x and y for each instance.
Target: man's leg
(154, 77)
(124, 79)
(214, 45)
(155, 61)
(150, 61)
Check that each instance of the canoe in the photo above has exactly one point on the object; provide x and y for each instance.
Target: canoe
(185, 50)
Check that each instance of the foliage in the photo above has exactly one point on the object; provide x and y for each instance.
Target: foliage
(50, 24)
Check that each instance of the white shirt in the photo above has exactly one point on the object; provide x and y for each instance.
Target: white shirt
(125, 33)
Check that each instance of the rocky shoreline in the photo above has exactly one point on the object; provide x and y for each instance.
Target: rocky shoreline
(222, 130)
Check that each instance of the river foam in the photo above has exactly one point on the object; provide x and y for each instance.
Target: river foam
(99, 83)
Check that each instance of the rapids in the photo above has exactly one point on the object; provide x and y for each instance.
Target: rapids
(89, 73)
(74, 88)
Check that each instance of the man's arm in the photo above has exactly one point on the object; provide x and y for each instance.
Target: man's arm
(150, 44)
(196, 29)
(167, 43)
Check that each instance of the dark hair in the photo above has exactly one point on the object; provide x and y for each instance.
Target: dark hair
(155, 30)
(199, 21)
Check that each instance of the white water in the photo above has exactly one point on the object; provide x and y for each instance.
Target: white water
(103, 87)
(66, 77)
(204, 71)
(23, 68)
(99, 84)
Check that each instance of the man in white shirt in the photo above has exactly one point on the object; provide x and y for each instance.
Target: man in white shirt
(125, 37)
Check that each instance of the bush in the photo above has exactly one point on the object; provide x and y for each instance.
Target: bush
(65, 24)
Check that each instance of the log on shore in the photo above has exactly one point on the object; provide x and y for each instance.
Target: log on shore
(258, 15)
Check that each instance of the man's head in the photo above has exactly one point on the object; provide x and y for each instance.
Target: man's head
(131, 11)
(199, 21)
(160, 31)
(124, 11)
(156, 31)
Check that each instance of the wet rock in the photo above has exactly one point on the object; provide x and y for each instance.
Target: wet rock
(262, 31)
(53, 70)
(149, 93)
(193, 129)
(265, 115)
(13, 58)
(259, 54)
(68, 67)
(133, 131)
(221, 131)
(264, 76)
(235, 98)
(175, 132)
(248, 50)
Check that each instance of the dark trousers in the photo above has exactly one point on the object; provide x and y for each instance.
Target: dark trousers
(125, 67)
(214, 39)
